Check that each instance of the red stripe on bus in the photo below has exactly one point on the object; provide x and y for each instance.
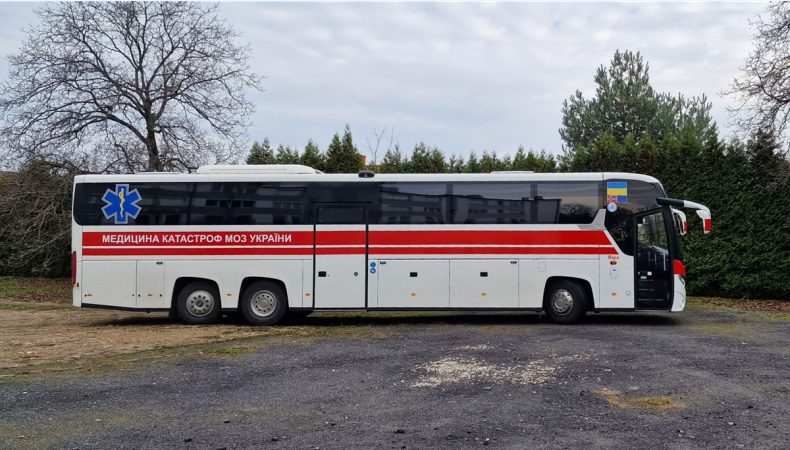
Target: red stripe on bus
(460, 250)
(340, 237)
(416, 237)
(474, 237)
(196, 251)
(340, 250)
(290, 251)
(195, 238)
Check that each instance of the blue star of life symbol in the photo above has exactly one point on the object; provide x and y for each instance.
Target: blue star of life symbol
(121, 204)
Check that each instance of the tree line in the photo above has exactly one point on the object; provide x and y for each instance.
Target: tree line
(342, 156)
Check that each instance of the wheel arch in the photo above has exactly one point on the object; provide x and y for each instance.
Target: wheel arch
(247, 281)
(181, 282)
(584, 283)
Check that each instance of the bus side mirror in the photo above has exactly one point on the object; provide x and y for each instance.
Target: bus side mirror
(680, 220)
(706, 220)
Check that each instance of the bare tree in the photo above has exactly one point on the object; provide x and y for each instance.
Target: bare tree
(763, 89)
(124, 86)
(379, 136)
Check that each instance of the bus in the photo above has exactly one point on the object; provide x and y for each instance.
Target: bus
(266, 241)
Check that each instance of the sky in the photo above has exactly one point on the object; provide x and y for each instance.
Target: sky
(461, 76)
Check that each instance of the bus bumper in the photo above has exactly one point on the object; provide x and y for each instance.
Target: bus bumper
(679, 299)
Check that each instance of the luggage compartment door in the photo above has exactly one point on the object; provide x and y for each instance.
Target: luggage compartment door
(340, 257)
(413, 283)
(484, 283)
(109, 283)
(151, 284)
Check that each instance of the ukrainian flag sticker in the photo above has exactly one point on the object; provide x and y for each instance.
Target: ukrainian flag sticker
(617, 192)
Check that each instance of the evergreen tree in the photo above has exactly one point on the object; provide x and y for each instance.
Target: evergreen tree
(437, 162)
(420, 161)
(312, 156)
(626, 104)
(472, 164)
(426, 160)
(489, 162)
(545, 162)
(455, 164)
(520, 159)
(342, 156)
(334, 154)
(393, 161)
(287, 155)
(261, 153)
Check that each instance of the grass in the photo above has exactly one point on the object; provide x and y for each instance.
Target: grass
(98, 365)
(778, 310)
(39, 290)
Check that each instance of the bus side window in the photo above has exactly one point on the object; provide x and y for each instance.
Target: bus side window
(578, 202)
(414, 203)
(491, 203)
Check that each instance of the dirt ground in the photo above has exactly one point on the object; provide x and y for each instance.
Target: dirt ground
(41, 333)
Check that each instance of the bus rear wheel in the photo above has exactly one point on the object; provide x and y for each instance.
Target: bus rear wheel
(264, 303)
(198, 303)
(565, 302)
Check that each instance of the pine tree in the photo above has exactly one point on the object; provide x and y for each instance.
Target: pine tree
(287, 155)
(312, 156)
(261, 153)
(520, 159)
(342, 156)
(420, 161)
(393, 161)
(438, 164)
(625, 104)
(472, 164)
(455, 164)
(489, 162)
(546, 163)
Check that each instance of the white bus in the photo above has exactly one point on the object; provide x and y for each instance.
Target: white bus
(265, 241)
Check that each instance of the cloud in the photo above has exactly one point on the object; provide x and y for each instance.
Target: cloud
(457, 75)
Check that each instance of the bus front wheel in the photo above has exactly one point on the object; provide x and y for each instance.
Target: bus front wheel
(198, 303)
(565, 302)
(264, 303)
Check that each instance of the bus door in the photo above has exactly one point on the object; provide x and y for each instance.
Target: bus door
(340, 256)
(653, 260)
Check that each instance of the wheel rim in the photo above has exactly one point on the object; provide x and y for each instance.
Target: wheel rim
(200, 303)
(263, 303)
(561, 302)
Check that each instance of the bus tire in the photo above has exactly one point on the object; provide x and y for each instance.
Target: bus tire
(565, 302)
(199, 303)
(264, 303)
